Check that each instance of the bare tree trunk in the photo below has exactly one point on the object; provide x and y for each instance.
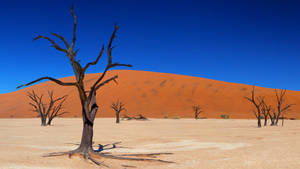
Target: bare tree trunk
(49, 121)
(87, 137)
(259, 120)
(266, 119)
(277, 118)
(272, 122)
(117, 117)
(272, 118)
(88, 117)
(43, 121)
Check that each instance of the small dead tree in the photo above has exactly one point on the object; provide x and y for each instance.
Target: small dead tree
(118, 107)
(140, 117)
(266, 110)
(272, 115)
(197, 110)
(282, 107)
(257, 102)
(47, 111)
(56, 111)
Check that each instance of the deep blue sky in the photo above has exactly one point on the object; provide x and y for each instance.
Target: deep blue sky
(250, 42)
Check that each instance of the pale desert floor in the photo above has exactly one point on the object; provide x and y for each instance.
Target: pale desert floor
(203, 143)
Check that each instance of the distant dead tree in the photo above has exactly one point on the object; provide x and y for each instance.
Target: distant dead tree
(272, 116)
(257, 102)
(118, 107)
(87, 97)
(266, 110)
(140, 117)
(282, 107)
(47, 111)
(197, 110)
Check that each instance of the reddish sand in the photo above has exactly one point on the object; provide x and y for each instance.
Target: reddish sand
(153, 95)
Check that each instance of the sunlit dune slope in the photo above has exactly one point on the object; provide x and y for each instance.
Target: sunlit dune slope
(153, 95)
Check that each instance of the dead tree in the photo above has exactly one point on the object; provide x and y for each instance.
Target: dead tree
(282, 108)
(47, 111)
(118, 107)
(56, 111)
(87, 97)
(38, 106)
(257, 102)
(197, 110)
(272, 116)
(266, 110)
(140, 117)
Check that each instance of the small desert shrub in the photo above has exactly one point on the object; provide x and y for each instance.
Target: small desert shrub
(176, 117)
(243, 89)
(165, 116)
(224, 116)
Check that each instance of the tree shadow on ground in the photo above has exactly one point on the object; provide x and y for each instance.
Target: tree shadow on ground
(101, 153)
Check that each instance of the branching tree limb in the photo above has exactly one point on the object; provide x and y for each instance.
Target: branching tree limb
(87, 99)
(94, 62)
(282, 107)
(257, 102)
(48, 78)
(62, 38)
(54, 44)
(266, 110)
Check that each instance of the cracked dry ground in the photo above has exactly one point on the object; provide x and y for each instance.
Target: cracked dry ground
(205, 143)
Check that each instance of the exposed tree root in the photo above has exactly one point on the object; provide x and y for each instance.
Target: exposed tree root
(93, 155)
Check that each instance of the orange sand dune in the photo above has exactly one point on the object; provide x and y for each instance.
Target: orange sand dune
(153, 95)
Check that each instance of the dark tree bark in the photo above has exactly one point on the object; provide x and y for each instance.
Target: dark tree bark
(140, 117)
(38, 106)
(257, 102)
(56, 110)
(282, 107)
(87, 98)
(197, 110)
(118, 107)
(266, 109)
(43, 121)
(44, 112)
(272, 116)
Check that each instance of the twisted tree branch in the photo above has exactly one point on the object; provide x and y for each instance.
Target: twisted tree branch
(55, 45)
(49, 78)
